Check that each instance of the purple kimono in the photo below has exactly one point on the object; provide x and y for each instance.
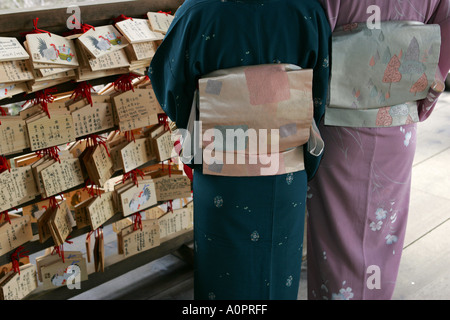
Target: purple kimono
(359, 199)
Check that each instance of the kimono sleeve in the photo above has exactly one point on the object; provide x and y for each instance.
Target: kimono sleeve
(172, 75)
(442, 18)
(321, 72)
(321, 80)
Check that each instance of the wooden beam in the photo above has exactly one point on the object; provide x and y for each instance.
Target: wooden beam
(117, 268)
(54, 19)
(186, 254)
(34, 246)
(65, 87)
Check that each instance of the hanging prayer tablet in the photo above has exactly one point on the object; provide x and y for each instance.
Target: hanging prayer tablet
(136, 154)
(11, 49)
(15, 71)
(15, 234)
(60, 223)
(91, 119)
(100, 210)
(13, 135)
(62, 176)
(136, 240)
(172, 186)
(54, 49)
(102, 40)
(138, 30)
(48, 132)
(136, 109)
(173, 222)
(19, 284)
(160, 21)
(138, 197)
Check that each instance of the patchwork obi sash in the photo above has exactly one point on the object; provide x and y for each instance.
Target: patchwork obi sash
(254, 120)
(378, 75)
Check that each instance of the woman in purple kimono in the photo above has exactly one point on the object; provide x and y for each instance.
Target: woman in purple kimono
(358, 201)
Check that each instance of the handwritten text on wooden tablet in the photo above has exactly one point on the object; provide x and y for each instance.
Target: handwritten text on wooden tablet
(136, 109)
(101, 210)
(20, 284)
(11, 49)
(45, 132)
(15, 234)
(62, 176)
(141, 240)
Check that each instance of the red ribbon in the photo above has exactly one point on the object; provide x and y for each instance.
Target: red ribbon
(95, 140)
(137, 221)
(52, 152)
(124, 82)
(164, 120)
(60, 249)
(169, 165)
(16, 256)
(83, 28)
(169, 206)
(7, 218)
(43, 98)
(35, 29)
(52, 202)
(166, 13)
(99, 232)
(3, 113)
(4, 165)
(133, 174)
(93, 190)
(83, 90)
(121, 18)
(129, 135)
(86, 27)
(88, 236)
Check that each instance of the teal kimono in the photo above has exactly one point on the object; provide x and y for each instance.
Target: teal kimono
(248, 231)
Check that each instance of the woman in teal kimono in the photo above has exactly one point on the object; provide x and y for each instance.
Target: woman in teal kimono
(248, 231)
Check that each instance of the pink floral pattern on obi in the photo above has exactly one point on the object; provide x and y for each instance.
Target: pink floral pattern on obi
(384, 119)
(267, 84)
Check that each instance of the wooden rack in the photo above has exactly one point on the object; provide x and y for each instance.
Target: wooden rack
(12, 23)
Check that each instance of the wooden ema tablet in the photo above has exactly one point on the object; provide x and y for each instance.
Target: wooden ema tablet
(19, 284)
(15, 234)
(11, 49)
(102, 40)
(13, 135)
(136, 109)
(136, 241)
(138, 30)
(44, 132)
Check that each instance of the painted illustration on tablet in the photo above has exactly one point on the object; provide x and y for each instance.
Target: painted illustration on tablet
(105, 42)
(140, 199)
(52, 53)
